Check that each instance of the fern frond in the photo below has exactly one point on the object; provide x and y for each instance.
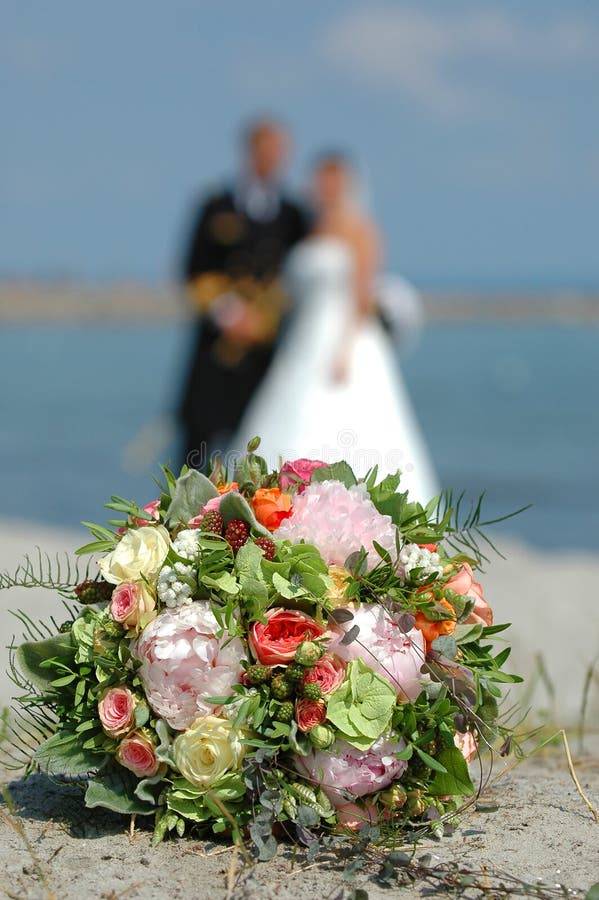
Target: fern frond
(58, 573)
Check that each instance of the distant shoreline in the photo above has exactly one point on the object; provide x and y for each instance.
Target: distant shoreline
(54, 303)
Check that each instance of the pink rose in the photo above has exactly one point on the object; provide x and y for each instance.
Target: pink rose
(309, 714)
(328, 673)
(152, 509)
(212, 505)
(115, 710)
(298, 472)
(463, 583)
(467, 744)
(136, 753)
(276, 641)
(130, 601)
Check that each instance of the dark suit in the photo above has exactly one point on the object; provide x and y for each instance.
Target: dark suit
(229, 244)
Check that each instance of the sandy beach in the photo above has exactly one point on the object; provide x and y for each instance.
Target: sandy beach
(541, 829)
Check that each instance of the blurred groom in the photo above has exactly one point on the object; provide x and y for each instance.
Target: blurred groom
(238, 245)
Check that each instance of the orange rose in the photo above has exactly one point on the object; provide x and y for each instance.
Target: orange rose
(227, 487)
(271, 506)
(433, 630)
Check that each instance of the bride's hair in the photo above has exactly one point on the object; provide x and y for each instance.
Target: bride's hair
(357, 184)
(337, 158)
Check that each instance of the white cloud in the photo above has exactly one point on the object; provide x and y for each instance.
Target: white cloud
(420, 53)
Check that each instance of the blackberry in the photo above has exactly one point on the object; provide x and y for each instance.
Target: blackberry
(237, 533)
(294, 673)
(258, 674)
(94, 591)
(311, 690)
(213, 522)
(285, 712)
(267, 546)
(280, 688)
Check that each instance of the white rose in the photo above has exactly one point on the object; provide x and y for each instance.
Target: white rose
(208, 750)
(138, 555)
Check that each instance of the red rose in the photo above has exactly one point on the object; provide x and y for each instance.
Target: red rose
(275, 641)
(309, 714)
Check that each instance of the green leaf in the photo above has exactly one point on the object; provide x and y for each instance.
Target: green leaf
(116, 791)
(362, 705)
(456, 780)
(63, 754)
(192, 491)
(339, 471)
(593, 892)
(31, 655)
(430, 761)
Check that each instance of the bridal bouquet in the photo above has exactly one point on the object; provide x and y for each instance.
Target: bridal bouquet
(279, 653)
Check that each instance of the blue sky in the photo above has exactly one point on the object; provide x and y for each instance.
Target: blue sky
(476, 125)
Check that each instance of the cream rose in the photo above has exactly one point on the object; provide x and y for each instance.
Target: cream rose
(208, 750)
(138, 555)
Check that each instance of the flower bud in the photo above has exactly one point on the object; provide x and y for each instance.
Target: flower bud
(394, 797)
(416, 804)
(322, 736)
(308, 653)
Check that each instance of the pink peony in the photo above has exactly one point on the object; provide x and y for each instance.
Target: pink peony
(115, 711)
(294, 472)
(328, 673)
(339, 520)
(346, 772)
(136, 753)
(183, 663)
(385, 648)
(463, 583)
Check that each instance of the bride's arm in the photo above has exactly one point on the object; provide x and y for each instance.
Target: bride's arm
(367, 260)
(366, 248)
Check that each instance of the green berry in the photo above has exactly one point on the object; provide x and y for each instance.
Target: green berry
(285, 712)
(258, 674)
(311, 690)
(294, 673)
(280, 688)
(307, 653)
(322, 736)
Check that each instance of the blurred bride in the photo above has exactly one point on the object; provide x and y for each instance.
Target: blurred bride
(334, 390)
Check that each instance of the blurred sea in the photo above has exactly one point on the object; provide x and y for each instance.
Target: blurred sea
(506, 407)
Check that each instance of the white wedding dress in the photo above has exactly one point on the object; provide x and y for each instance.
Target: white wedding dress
(301, 411)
